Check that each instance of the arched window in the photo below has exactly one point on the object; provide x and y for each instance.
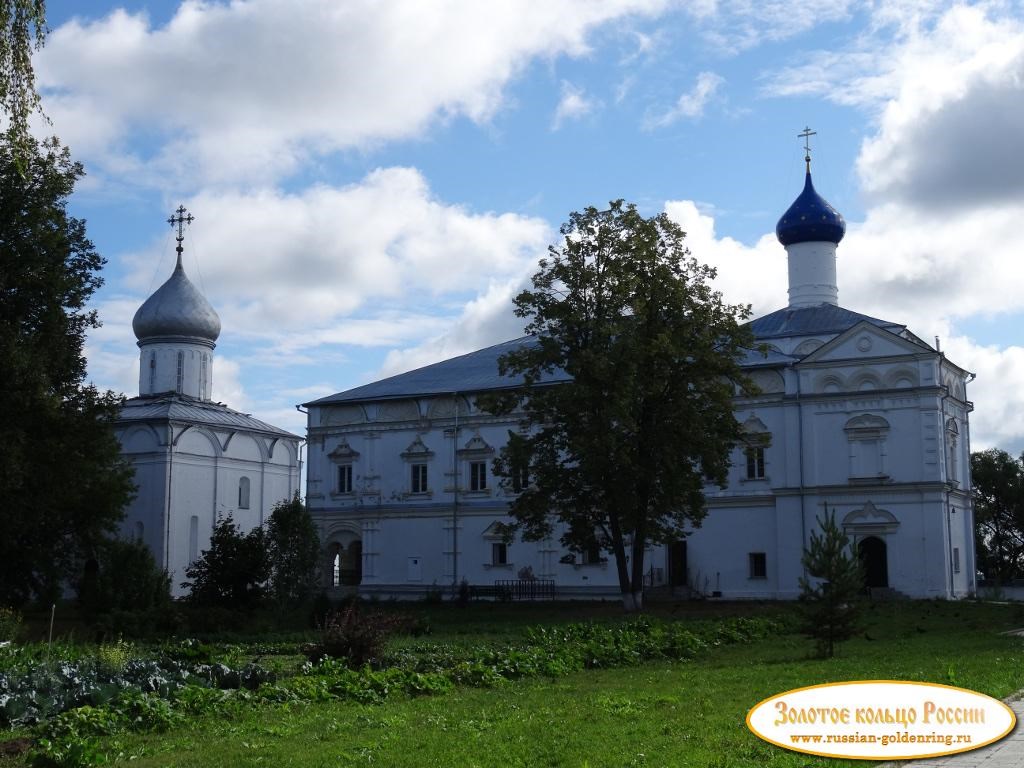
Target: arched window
(243, 493)
(952, 468)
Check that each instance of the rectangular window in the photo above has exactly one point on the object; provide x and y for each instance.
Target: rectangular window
(193, 539)
(755, 463)
(499, 553)
(419, 478)
(591, 554)
(758, 565)
(956, 560)
(520, 479)
(478, 475)
(243, 493)
(181, 372)
(345, 478)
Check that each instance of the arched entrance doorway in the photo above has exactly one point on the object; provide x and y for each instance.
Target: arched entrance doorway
(345, 564)
(875, 561)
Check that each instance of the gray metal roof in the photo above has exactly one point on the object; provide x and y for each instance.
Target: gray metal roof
(813, 321)
(478, 372)
(771, 358)
(176, 308)
(473, 372)
(174, 407)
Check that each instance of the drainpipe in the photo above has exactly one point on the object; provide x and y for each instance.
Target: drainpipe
(455, 498)
(167, 511)
(800, 443)
(972, 577)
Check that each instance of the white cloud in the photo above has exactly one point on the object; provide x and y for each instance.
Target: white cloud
(736, 25)
(689, 105)
(573, 105)
(273, 262)
(253, 90)
(486, 320)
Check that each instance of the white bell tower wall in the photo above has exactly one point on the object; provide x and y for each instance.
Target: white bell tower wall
(812, 274)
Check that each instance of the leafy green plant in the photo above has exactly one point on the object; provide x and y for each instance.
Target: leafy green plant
(113, 657)
(358, 637)
(10, 624)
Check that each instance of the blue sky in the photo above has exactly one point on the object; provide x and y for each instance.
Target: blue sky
(373, 182)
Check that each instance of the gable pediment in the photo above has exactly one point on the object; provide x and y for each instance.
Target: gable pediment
(863, 341)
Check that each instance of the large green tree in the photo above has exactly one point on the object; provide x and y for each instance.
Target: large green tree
(998, 480)
(63, 483)
(616, 459)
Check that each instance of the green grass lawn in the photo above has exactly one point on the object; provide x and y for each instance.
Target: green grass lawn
(656, 714)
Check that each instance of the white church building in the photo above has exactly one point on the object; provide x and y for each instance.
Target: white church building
(855, 414)
(195, 460)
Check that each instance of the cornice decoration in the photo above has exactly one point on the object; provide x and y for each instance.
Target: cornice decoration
(476, 447)
(866, 427)
(344, 453)
(870, 519)
(755, 432)
(417, 450)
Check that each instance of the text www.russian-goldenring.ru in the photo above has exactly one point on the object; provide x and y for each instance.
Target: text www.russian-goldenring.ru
(884, 740)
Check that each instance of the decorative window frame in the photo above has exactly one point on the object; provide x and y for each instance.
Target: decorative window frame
(952, 435)
(868, 429)
(756, 438)
(476, 451)
(344, 455)
(495, 534)
(418, 454)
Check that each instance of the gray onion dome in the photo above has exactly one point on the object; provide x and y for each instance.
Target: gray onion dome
(177, 308)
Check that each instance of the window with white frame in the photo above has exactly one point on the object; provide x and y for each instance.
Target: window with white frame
(520, 479)
(755, 462)
(499, 553)
(478, 475)
(181, 372)
(419, 478)
(345, 478)
(756, 438)
(243, 493)
(591, 554)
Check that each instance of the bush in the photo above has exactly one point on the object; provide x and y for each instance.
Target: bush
(124, 592)
(357, 637)
(233, 572)
(10, 625)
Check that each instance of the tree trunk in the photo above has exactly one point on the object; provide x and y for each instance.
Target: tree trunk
(633, 602)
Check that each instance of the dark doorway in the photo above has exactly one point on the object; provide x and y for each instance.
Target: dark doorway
(875, 560)
(352, 564)
(677, 563)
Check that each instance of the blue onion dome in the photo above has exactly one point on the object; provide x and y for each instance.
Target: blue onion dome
(810, 219)
(177, 308)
